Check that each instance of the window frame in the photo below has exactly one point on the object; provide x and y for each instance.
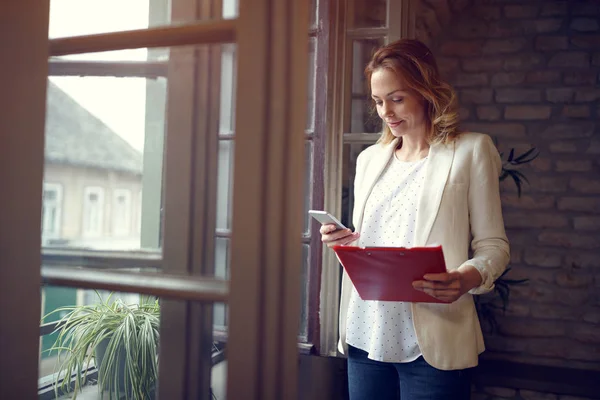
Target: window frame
(86, 222)
(58, 203)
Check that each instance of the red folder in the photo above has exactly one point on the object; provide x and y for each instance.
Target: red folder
(387, 273)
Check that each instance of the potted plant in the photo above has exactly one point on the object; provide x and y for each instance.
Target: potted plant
(122, 340)
(487, 305)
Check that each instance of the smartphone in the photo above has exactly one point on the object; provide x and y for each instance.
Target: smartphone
(325, 218)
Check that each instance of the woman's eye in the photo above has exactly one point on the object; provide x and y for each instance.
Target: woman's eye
(378, 103)
(398, 100)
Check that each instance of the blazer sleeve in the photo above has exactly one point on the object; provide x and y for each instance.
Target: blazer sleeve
(491, 252)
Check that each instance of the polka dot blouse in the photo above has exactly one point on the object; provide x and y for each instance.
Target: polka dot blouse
(384, 329)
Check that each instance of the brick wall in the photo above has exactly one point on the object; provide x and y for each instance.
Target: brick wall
(527, 72)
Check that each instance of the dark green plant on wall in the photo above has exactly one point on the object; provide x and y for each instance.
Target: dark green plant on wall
(488, 305)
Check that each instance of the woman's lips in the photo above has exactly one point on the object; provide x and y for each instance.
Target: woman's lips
(394, 124)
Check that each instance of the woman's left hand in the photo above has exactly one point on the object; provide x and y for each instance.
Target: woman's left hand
(449, 286)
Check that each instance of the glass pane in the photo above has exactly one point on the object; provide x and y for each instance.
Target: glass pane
(230, 9)
(368, 13)
(363, 117)
(97, 131)
(222, 260)
(86, 17)
(228, 85)
(308, 184)
(103, 329)
(224, 184)
(351, 152)
(313, 13)
(312, 66)
(304, 281)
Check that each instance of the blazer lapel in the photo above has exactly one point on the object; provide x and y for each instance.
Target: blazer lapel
(373, 170)
(436, 175)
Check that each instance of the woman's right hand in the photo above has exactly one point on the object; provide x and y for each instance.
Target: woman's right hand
(332, 237)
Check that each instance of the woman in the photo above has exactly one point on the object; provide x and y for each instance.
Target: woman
(423, 183)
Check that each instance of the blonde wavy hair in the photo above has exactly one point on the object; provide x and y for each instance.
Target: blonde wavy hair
(413, 60)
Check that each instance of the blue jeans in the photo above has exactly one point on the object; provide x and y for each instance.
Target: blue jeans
(416, 380)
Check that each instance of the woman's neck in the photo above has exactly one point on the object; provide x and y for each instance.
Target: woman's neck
(412, 148)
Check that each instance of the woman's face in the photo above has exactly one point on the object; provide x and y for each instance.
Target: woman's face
(401, 108)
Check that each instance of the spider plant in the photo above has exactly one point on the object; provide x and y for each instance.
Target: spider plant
(489, 304)
(122, 339)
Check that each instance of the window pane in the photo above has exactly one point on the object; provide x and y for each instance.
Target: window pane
(308, 184)
(368, 13)
(85, 17)
(222, 259)
(312, 66)
(304, 295)
(228, 85)
(97, 131)
(313, 13)
(351, 152)
(363, 118)
(230, 9)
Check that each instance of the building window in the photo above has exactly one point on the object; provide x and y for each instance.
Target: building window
(121, 214)
(51, 210)
(93, 211)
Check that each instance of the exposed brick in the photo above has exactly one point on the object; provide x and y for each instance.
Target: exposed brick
(527, 202)
(576, 111)
(596, 60)
(531, 395)
(574, 59)
(481, 64)
(502, 130)
(553, 311)
(580, 77)
(574, 279)
(518, 95)
(587, 223)
(549, 184)
(594, 147)
(543, 76)
(489, 113)
(587, 94)
(502, 46)
(464, 113)
(522, 327)
(523, 62)
(476, 96)
(461, 47)
(563, 146)
(585, 185)
(554, 9)
(529, 220)
(586, 333)
(581, 204)
(585, 8)
(507, 78)
(527, 112)
(500, 392)
(574, 166)
(487, 13)
(541, 164)
(583, 260)
(585, 24)
(448, 63)
(547, 25)
(552, 43)
(542, 258)
(586, 42)
(466, 80)
(504, 28)
(560, 95)
(521, 11)
(569, 240)
(574, 130)
(592, 317)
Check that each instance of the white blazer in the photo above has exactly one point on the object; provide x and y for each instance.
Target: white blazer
(460, 204)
